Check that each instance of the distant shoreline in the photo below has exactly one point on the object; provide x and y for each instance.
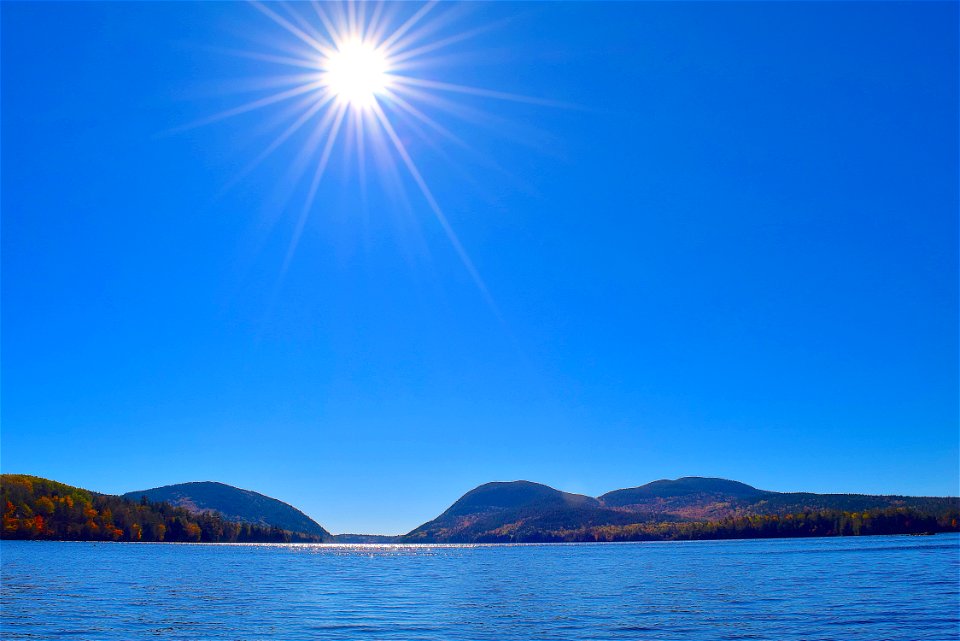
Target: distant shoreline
(333, 544)
(684, 509)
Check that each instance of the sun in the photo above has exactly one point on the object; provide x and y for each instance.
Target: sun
(356, 73)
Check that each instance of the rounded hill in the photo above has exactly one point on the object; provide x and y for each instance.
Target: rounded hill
(233, 503)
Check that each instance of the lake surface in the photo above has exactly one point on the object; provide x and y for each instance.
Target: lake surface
(876, 588)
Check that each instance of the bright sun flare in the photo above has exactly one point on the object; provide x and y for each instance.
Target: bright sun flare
(361, 67)
(356, 73)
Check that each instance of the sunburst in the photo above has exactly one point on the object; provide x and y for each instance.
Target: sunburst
(356, 73)
(358, 69)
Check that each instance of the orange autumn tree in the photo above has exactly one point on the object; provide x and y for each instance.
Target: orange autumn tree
(37, 508)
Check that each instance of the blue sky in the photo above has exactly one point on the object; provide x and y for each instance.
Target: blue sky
(732, 253)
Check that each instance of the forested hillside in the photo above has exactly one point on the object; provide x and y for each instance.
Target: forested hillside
(519, 511)
(36, 508)
(681, 509)
(802, 524)
(233, 504)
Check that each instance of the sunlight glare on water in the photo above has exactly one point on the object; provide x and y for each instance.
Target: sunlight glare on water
(853, 588)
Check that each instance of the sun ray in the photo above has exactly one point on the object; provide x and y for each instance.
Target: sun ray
(314, 183)
(461, 111)
(380, 21)
(290, 61)
(410, 54)
(372, 26)
(405, 106)
(425, 28)
(295, 126)
(265, 82)
(435, 207)
(401, 80)
(315, 139)
(361, 154)
(293, 29)
(450, 161)
(368, 70)
(406, 26)
(352, 23)
(307, 27)
(324, 20)
(252, 105)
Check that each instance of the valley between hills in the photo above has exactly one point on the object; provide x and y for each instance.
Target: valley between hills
(689, 508)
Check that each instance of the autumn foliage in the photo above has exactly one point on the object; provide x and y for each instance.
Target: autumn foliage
(36, 508)
(893, 520)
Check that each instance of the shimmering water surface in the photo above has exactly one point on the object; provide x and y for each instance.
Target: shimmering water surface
(876, 588)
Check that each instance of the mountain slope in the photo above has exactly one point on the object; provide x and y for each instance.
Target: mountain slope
(699, 498)
(690, 497)
(37, 508)
(689, 507)
(504, 511)
(234, 504)
(682, 487)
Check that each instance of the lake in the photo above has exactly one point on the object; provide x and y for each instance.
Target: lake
(876, 588)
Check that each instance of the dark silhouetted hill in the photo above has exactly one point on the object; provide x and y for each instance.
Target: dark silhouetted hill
(37, 508)
(689, 507)
(514, 510)
(234, 504)
(517, 511)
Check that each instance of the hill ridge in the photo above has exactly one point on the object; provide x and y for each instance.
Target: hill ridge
(496, 511)
(528, 511)
(39, 508)
(233, 503)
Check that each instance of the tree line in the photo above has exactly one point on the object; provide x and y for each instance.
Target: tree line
(809, 523)
(36, 508)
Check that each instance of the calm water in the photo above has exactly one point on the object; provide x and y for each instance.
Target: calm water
(877, 588)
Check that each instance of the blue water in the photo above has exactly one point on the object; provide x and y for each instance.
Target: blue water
(876, 588)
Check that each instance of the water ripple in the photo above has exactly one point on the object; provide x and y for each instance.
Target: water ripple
(891, 588)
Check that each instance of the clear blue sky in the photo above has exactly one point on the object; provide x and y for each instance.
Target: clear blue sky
(737, 257)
